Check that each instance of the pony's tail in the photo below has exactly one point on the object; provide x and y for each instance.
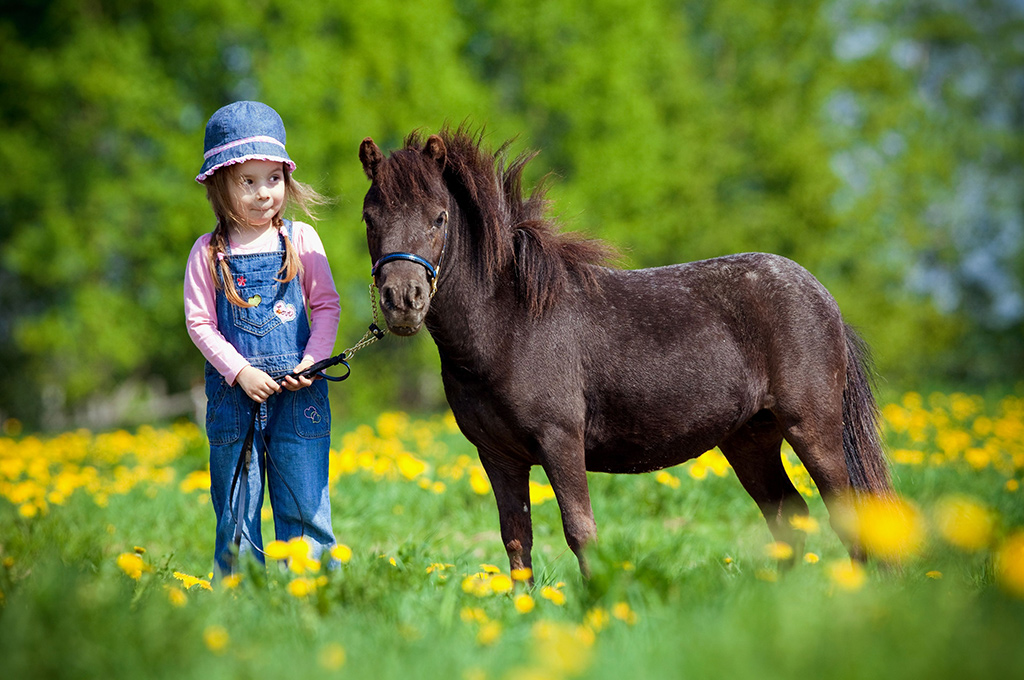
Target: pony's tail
(862, 442)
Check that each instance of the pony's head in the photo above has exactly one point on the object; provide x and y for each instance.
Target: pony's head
(406, 216)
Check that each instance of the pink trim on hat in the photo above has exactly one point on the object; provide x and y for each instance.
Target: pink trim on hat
(241, 159)
(238, 142)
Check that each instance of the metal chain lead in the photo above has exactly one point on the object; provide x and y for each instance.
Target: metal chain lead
(371, 336)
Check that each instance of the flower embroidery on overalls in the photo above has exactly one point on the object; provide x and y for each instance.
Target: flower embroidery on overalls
(240, 280)
(312, 414)
(285, 311)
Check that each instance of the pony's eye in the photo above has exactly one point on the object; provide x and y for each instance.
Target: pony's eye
(440, 220)
(369, 222)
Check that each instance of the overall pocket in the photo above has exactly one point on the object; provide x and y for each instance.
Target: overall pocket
(261, 318)
(312, 413)
(222, 419)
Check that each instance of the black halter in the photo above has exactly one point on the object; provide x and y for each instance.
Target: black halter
(432, 271)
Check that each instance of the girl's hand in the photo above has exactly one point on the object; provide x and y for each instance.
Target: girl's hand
(298, 382)
(257, 384)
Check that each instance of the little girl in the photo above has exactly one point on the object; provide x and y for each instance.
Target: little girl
(248, 285)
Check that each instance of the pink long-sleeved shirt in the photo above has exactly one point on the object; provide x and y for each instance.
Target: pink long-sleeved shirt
(318, 290)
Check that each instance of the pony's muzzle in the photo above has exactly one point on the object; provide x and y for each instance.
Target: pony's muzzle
(404, 303)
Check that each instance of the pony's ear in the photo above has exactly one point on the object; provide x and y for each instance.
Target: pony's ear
(435, 149)
(371, 157)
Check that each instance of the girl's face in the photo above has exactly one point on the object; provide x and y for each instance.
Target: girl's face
(258, 191)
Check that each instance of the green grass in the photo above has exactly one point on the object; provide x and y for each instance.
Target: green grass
(689, 563)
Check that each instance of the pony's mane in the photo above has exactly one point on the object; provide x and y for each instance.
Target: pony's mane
(510, 233)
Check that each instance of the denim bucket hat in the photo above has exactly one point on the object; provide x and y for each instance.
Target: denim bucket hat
(240, 132)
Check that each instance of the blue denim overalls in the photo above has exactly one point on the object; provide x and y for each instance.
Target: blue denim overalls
(294, 426)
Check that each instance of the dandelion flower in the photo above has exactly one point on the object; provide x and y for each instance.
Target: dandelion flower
(216, 638)
(489, 633)
(231, 581)
(779, 550)
(804, 523)
(342, 553)
(811, 558)
(667, 478)
(1009, 564)
(478, 481)
(847, 574)
(177, 596)
(623, 612)
(131, 564)
(300, 588)
(524, 603)
(889, 528)
(189, 581)
(276, 550)
(964, 523)
(522, 575)
(597, 618)
(934, 574)
(556, 596)
(500, 583)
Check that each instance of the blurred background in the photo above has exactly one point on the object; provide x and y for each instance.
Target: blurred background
(876, 142)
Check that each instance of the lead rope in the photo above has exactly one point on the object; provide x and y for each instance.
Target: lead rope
(372, 335)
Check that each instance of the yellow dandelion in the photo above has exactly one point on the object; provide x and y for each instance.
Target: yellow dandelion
(524, 604)
(964, 523)
(1009, 564)
(471, 614)
(623, 612)
(779, 550)
(934, 574)
(189, 581)
(1011, 485)
(342, 553)
(410, 466)
(522, 575)
(301, 587)
(540, 493)
(277, 550)
(490, 569)
(500, 583)
(478, 481)
(231, 581)
(667, 478)
(811, 558)
(131, 564)
(554, 595)
(804, 523)
(847, 574)
(889, 528)
(177, 596)
(563, 649)
(216, 638)
(597, 618)
(332, 656)
(489, 633)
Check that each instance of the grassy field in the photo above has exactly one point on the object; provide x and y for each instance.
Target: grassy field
(106, 541)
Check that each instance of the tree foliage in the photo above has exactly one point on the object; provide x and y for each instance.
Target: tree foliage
(876, 143)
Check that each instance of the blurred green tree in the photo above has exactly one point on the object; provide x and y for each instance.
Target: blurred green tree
(876, 143)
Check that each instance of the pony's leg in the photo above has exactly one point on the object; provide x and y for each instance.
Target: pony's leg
(817, 439)
(568, 477)
(510, 481)
(754, 452)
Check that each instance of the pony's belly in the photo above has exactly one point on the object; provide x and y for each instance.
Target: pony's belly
(626, 457)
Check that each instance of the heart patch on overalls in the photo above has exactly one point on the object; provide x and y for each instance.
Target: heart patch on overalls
(312, 414)
(255, 300)
(285, 311)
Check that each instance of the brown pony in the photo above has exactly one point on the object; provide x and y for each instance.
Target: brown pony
(549, 357)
